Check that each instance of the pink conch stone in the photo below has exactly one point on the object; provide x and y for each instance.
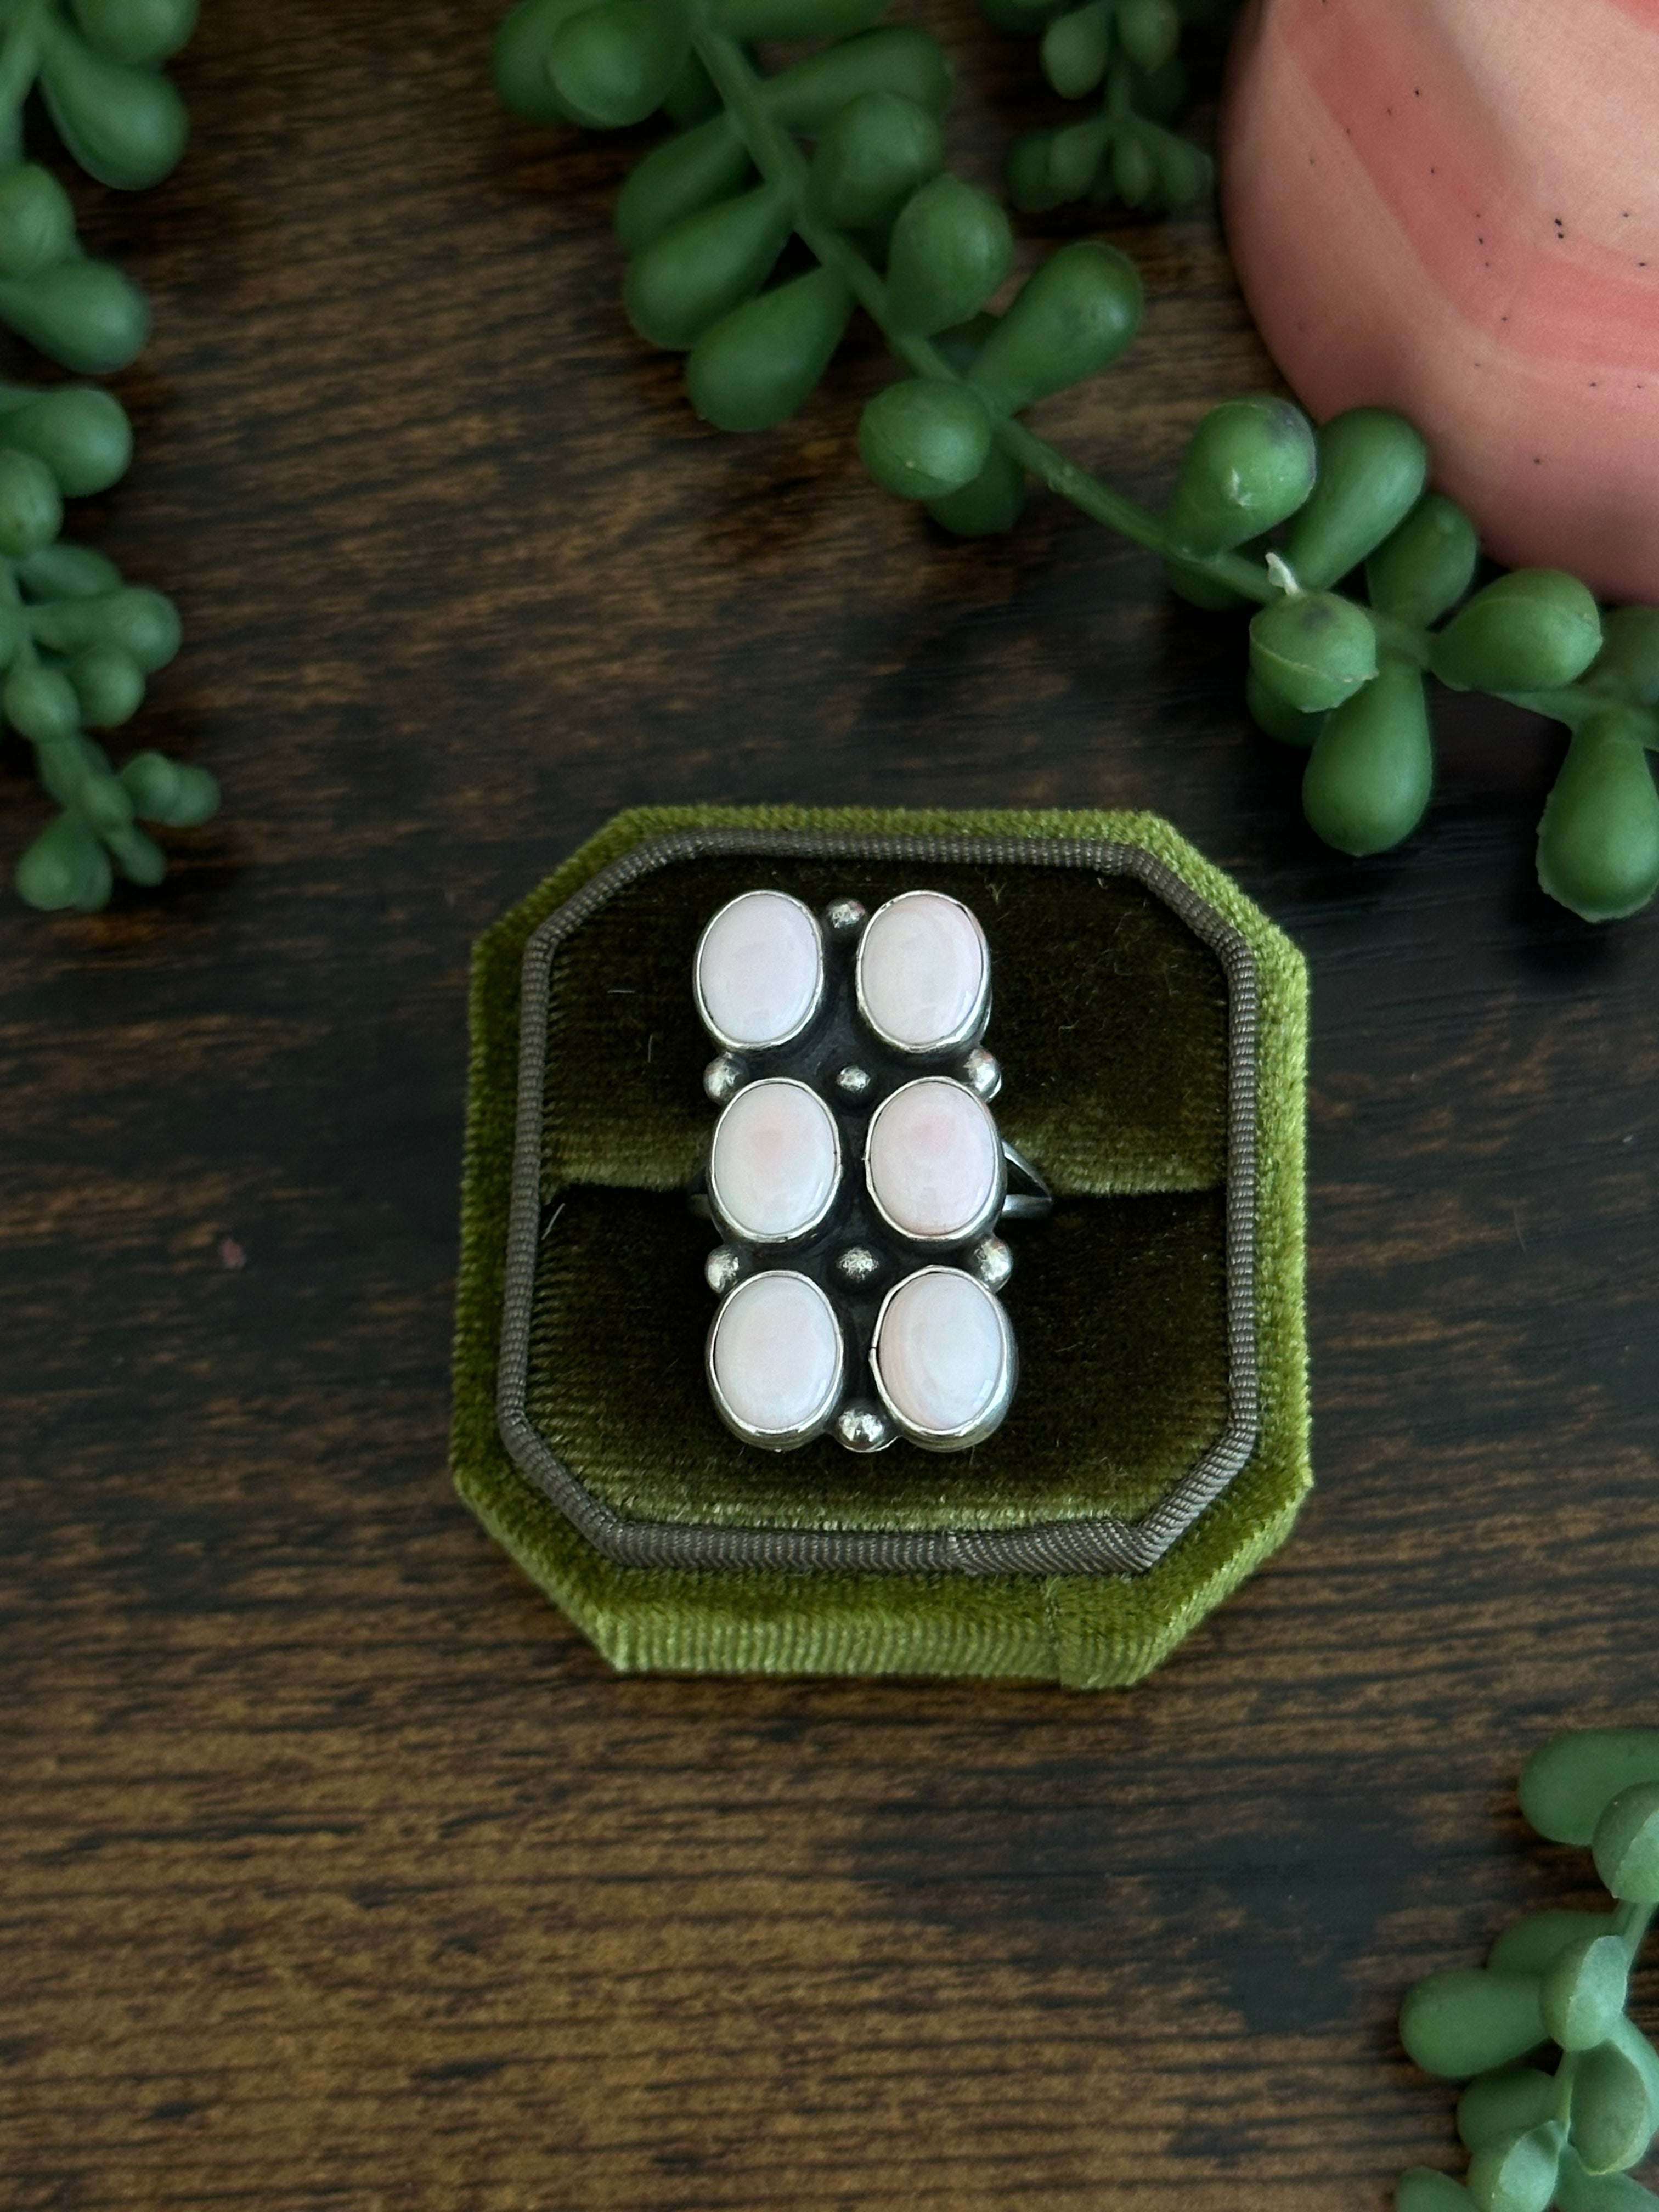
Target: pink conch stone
(1451, 208)
(933, 1159)
(774, 1162)
(922, 966)
(760, 969)
(777, 1353)
(942, 1351)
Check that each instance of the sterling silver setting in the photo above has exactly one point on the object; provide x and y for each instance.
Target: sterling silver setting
(856, 1157)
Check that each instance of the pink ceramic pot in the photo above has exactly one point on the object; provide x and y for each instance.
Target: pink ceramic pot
(1451, 207)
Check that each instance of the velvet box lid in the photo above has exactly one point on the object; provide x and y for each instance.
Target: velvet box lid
(1150, 1023)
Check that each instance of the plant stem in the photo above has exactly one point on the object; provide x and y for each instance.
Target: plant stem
(779, 160)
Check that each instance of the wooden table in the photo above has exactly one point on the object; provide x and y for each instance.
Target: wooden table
(338, 1871)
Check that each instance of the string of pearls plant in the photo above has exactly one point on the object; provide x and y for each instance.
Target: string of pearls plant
(844, 151)
(1563, 2136)
(77, 645)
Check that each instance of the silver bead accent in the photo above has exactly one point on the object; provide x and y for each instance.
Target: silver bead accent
(863, 1429)
(991, 1262)
(846, 917)
(858, 1265)
(723, 1078)
(854, 1082)
(721, 1269)
(982, 1073)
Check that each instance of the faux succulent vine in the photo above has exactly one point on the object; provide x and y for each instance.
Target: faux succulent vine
(1124, 58)
(1565, 2133)
(844, 151)
(77, 645)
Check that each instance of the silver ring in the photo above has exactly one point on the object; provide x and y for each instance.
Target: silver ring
(859, 1263)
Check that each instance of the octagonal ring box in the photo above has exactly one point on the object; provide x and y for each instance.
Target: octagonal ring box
(1150, 1023)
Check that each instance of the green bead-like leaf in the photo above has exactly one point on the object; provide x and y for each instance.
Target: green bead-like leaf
(31, 506)
(84, 314)
(40, 704)
(1371, 468)
(140, 31)
(1425, 567)
(1518, 2176)
(950, 248)
(1569, 1783)
(1372, 771)
(1074, 156)
(1578, 2191)
(1598, 842)
(1134, 173)
(170, 792)
(1182, 175)
(127, 127)
(1496, 2107)
(703, 266)
(1077, 312)
(897, 58)
(991, 503)
(68, 571)
(1584, 1991)
(1076, 48)
(924, 438)
(1533, 1945)
(693, 170)
(519, 58)
(65, 867)
(142, 623)
(1469, 2020)
(1530, 631)
(613, 63)
(109, 684)
(1250, 464)
(81, 433)
(1313, 649)
(37, 223)
(1613, 2116)
(869, 159)
(1626, 1839)
(1149, 31)
(1423, 2190)
(757, 364)
(1288, 725)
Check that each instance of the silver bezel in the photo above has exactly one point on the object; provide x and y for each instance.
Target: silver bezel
(968, 1032)
(772, 1044)
(740, 1230)
(988, 1215)
(778, 1440)
(972, 1432)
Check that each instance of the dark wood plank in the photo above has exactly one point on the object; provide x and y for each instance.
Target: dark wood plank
(337, 1870)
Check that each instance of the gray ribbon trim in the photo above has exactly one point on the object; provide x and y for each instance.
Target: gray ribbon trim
(1099, 1545)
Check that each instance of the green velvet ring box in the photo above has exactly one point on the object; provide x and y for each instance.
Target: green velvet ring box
(1150, 1023)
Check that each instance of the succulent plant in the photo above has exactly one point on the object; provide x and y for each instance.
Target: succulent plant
(843, 151)
(1541, 2135)
(77, 645)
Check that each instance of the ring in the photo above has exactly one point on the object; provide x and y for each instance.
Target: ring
(856, 1175)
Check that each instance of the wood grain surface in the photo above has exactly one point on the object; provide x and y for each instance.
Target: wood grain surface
(337, 1871)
